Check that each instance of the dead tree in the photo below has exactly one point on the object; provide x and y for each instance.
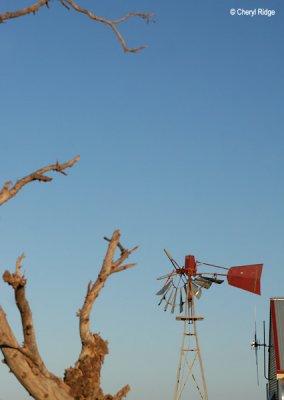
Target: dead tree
(81, 382)
(70, 4)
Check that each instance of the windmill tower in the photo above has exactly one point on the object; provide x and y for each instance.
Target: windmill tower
(180, 289)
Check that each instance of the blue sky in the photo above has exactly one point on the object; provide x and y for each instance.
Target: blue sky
(181, 147)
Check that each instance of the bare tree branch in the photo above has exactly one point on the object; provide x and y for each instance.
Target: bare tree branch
(122, 393)
(18, 282)
(83, 380)
(123, 268)
(109, 266)
(24, 361)
(86, 372)
(6, 193)
(7, 338)
(24, 11)
(72, 4)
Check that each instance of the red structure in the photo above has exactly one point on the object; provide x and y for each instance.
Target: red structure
(180, 288)
(190, 265)
(246, 277)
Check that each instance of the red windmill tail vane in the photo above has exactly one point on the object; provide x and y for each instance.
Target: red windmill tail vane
(245, 277)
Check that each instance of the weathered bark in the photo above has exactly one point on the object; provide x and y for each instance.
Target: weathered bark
(7, 192)
(68, 4)
(81, 382)
(84, 377)
(25, 361)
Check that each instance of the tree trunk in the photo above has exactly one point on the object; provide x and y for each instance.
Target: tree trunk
(81, 382)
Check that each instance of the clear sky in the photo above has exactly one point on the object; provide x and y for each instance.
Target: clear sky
(181, 147)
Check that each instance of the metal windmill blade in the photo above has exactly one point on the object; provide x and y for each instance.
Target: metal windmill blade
(164, 288)
(196, 290)
(169, 299)
(172, 260)
(203, 282)
(174, 301)
(164, 296)
(165, 276)
(181, 302)
(213, 280)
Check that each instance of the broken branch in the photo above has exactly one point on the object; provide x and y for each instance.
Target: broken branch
(18, 282)
(24, 11)
(109, 267)
(72, 4)
(7, 192)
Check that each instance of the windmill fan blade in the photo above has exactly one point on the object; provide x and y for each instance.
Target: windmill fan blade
(181, 302)
(165, 276)
(203, 282)
(174, 301)
(169, 299)
(196, 290)
(175, 264)
(162, 299)
(164, 296)
(164, 288)
(214, 280)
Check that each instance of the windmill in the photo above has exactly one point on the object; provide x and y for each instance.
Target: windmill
(178, 293)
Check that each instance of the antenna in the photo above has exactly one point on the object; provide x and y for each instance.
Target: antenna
(255, 344)
(264, 351)
(181, 287)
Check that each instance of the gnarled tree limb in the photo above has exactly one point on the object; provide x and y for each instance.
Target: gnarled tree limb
(82, 382)
(72, 4)
(25, 361)
(109, 267)
(24, 11)
(7, 192)
(18, 282)
(86, 373)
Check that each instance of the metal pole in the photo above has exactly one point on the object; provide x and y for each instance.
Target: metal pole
(179, 364)
(198, 352)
